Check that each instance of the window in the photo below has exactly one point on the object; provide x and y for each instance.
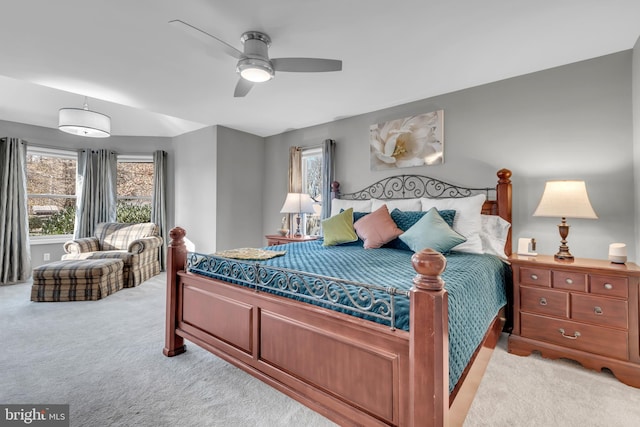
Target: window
(312, 184)
(51, 191)
(134, 188)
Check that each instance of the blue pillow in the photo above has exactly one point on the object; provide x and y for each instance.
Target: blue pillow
(406, 219)
(432, 231)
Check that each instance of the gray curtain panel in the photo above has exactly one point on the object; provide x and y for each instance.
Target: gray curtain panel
(96, 190)
(328, 168)
(159, 202)
(15, 254)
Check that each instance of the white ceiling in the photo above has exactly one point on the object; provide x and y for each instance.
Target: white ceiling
(155, 80)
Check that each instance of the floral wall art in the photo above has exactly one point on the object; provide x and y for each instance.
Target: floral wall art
(412, 141)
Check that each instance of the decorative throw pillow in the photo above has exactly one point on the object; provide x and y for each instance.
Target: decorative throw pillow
(431, 231)
(405, 220)
(467, 222)
(377, 228)
(356, 217)
(339, 229)
(493, 235)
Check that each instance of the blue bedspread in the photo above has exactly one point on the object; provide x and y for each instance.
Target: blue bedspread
(476, 285)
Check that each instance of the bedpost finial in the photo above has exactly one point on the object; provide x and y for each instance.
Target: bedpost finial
(177, 235)
(335, 186)
(504, 175)
(429, 265)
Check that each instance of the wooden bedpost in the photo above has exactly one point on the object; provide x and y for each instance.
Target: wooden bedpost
(503, 191)
(429, 342)
(176, 258)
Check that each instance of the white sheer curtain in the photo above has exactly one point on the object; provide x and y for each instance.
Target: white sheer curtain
(295, 176)
(159, 202)
(96, 190)
(15, 255)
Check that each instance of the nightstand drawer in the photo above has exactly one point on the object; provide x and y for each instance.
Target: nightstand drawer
(610, 286)
(544, 301)
(535, 276)
(603, 311)
(570, 280)
(589, 338)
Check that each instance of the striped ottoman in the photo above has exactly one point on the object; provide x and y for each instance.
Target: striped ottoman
(77, 280)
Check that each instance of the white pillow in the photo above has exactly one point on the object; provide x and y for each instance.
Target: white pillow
(493, 234)
(406, 205)
(467, 221)
(344, 204)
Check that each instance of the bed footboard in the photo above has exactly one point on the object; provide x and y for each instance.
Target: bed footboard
(353, 371)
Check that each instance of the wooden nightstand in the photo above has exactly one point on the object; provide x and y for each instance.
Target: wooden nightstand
(585, 310)
(277, 239)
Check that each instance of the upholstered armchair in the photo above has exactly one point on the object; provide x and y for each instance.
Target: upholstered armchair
(137, 245)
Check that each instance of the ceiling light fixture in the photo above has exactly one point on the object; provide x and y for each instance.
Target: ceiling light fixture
(255, 70)
(84, 122)
(255, 65)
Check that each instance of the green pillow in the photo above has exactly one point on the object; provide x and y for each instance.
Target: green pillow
(431, 231)
(339, 229)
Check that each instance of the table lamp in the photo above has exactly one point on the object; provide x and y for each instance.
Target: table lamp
(297, 203)
(565, 199)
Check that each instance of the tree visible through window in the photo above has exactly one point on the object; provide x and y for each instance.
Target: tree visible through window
(51, 191)
(135, 188)
(312, 184)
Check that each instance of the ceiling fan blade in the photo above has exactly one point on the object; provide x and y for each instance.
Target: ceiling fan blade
(242, 88)
(206, 37)
(306, 65)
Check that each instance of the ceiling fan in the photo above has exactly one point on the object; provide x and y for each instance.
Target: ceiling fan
(254, 65)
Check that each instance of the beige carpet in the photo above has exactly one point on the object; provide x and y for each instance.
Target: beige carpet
(105, 359)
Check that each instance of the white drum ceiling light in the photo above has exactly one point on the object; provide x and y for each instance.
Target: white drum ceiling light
(84, 122)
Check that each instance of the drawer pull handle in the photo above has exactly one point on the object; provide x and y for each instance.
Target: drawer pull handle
(534, 276)
(575, 335)
(608, 286)
(597, 310)
(568, 281)
(543, 301)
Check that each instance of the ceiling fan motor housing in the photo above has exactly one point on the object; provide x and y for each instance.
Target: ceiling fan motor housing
(256, 57)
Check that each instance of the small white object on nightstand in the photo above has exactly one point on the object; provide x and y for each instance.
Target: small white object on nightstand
(527, 246)
(618, 253)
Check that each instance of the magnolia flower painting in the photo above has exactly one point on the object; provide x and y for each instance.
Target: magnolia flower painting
(408, 142)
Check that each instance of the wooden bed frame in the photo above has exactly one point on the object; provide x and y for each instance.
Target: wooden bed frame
(353, 371)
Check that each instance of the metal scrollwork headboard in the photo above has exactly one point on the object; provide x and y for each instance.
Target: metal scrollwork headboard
(412, 186)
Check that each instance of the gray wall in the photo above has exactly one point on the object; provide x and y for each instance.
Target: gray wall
(240, 170)
(218, 188)
(570, 122)
(48, 137)
(196, 182)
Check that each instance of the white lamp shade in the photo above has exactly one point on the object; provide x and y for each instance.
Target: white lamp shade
(298, 203)
(565, 199)
(83, 122)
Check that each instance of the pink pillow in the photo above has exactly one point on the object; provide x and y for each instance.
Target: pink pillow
(377, 228)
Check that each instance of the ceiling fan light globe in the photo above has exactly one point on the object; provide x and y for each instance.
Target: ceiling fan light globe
(255, 70)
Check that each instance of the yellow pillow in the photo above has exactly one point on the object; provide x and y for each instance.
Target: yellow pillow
(339, 229)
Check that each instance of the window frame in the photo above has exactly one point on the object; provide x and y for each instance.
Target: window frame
(69, 154)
